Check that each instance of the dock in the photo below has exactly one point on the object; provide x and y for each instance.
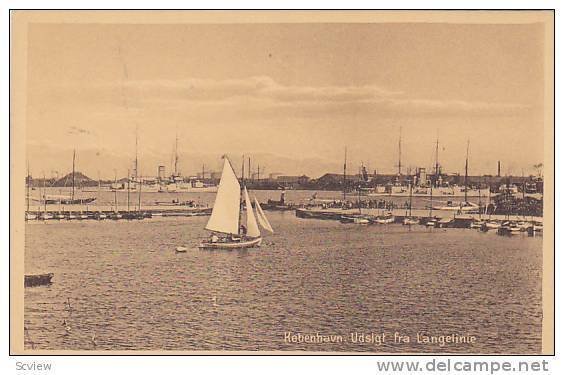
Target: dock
(121, 212)
(449, 218)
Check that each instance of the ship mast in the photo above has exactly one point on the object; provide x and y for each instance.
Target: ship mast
(466, 173)
(359, 183)
(345, 177)
(136, 145)
(431, 203)
(73, 161)
(115, 191)
(128, 179)
(437, 160)
(98, 197)
(410, 193)
(137, 173)
(44, 196)
(480, 198)
(399, 154)
(176, 155)
(241, 195)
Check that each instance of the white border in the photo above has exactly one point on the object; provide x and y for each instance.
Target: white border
(243, 365)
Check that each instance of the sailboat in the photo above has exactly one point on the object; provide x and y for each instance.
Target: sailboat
(66, 199)
(224, 222)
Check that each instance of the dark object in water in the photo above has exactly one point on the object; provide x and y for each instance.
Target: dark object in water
(280, 205)
(69, 200)
(36, 280)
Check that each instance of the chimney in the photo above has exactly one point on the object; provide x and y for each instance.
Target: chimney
(498, 168)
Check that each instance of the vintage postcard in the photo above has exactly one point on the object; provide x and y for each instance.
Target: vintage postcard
(237, 182)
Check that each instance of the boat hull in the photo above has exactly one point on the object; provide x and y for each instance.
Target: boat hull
(68, 201)
(255, 242)
(388, 220)
(37, 280)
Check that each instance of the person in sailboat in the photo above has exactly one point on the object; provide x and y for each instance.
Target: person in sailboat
(243, 230)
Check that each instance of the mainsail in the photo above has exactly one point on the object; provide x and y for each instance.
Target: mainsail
(252, 227)
(225, 213)
(263, 221)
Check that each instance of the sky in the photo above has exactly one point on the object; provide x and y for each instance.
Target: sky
(290, 96)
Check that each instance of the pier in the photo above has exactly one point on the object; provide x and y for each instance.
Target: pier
(454, 219)
(121, 212)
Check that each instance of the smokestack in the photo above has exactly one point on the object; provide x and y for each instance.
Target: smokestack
(498, 168)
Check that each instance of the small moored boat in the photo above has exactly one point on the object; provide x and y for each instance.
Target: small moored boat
(37, 280)
(386, 219)
(410, 221)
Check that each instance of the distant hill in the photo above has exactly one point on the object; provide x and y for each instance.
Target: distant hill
(80, 179)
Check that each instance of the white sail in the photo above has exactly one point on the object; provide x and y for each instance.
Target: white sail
(252, 227)
(225, 213)
(263, 221)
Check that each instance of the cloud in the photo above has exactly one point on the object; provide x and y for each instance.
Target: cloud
(262, 95)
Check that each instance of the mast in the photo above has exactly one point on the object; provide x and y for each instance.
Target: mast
(176, 154)
(431, 204)
(480, 198)
(137, 174)
(507, 194)
(241, 196)
(249, 169)
(410, 193)
(44, 195)
(359, 181)
(98, 197)
(345, 178)
(136, 146)
(466, 173)
(73, 161)
(399, 154)
(115, 191)
(489, 200)
(128, 179)
(139, 196)
(437, 159)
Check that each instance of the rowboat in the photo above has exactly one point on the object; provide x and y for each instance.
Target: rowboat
(39, 279)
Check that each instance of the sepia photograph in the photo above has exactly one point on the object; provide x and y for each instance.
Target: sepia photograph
(282, 182)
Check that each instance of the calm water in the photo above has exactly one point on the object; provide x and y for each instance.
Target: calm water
(129, 288)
